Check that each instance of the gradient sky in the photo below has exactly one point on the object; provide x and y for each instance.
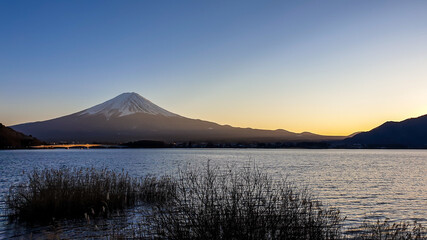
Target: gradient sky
(328, 67)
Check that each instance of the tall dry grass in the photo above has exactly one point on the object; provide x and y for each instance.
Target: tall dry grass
(78, 192)
(199, 203)
(246, 204)
(386, 230)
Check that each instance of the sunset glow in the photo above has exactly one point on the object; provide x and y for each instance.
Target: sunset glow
(328, 67)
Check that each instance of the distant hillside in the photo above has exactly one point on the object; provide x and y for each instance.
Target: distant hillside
(10, 139)
(410, 133)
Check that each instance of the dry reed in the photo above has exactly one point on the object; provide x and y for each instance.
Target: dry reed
(245, 204)
(78, 192)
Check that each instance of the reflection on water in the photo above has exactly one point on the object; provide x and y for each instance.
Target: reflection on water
(362, 183)
(76, 229)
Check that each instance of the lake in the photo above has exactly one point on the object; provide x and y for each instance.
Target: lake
(363, 184)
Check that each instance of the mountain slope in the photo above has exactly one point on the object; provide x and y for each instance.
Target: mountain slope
(13, 139)
(130, 117)
(411, 133)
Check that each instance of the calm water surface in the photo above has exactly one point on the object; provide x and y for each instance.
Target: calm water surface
(361, 183)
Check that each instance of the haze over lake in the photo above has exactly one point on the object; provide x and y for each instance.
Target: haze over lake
(361, 183)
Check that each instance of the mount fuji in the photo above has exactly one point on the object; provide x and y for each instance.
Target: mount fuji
(131, 117)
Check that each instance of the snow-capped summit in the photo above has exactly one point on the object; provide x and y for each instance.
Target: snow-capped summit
(126, 104)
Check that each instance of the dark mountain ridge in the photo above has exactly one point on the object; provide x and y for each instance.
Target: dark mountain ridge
(130, 117)
(410, 133)
(10, 139)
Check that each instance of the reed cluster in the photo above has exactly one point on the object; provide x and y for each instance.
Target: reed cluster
(211, 203)
(386, 230)
(78, 192)
(198, 203)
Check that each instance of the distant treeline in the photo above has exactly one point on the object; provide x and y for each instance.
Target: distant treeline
(302, 145)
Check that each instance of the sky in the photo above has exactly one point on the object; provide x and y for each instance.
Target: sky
(328, 67)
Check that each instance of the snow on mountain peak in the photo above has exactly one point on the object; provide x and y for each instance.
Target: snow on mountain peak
(126, 104)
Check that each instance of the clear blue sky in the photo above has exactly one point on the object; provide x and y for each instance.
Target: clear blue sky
(330, 67)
